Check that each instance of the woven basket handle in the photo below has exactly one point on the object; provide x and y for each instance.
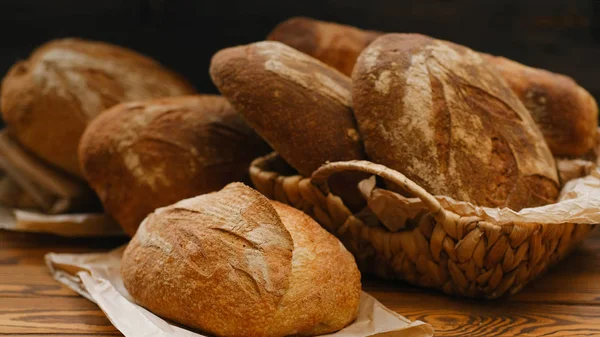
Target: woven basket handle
(320, 176)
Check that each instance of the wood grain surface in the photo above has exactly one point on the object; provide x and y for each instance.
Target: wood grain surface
(565, 302)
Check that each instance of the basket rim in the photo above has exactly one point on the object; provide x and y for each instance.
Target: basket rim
(260, 164)
(463, 255)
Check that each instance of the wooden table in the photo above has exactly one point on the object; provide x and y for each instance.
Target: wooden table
(566, 302)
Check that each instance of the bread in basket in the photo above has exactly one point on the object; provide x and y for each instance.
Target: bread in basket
(433, 242)
(405, 89)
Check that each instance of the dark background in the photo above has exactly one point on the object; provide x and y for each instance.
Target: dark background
(563, 36)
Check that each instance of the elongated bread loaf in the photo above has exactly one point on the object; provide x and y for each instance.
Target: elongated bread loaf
(438, 113)
(48, 100)
(300, 106)
(565, 112)
(331, 43)
(232, 263)
(139, 156)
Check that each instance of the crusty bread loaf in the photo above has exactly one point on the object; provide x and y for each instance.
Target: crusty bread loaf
(232, 263)
(331, 43)
(565, 112)
(49, 99)
(297, 104)
(139, 156)
(438, 113)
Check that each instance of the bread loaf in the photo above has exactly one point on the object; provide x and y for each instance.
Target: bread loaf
(49, 99)
(565, 112)
(436, 112)
(331, 43)
(299, 105)
(232, 263)
(139, 156)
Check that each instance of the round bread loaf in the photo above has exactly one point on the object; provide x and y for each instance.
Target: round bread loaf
(139, 156)
(48, 100)
(233, 263)
(436, 112)
(299, 105)
(331, 43)
(565, 112)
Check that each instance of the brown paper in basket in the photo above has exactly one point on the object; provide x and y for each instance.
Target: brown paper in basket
(97, 277)
(579, 202)
(28, 183)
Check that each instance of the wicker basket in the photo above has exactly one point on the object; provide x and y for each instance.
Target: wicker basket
(435, 247)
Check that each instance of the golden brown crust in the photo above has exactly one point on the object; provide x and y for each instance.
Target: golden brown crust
(333, 44)
(233, 263)
(325, 282)
(297, 104)
(436, 112)
(49, 99)
(565, 112)
(139, 156)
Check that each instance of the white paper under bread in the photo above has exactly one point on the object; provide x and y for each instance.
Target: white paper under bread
(97, 278)
(53, 191)
(51, 194)
(72, 225)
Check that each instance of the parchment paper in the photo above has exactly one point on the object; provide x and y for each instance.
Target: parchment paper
(97, 277)
(578, 203)
(73, 225)
(52, 190)
(35, 197)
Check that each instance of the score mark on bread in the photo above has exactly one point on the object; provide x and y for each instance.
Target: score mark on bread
(142, 155)
(299, 105)
(564, 111)
(49, 99)
(436, 112)
(233, 263)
